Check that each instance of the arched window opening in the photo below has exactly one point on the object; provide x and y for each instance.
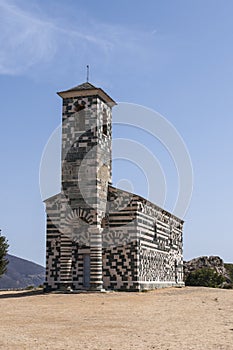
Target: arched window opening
(79, 106)
(104, 222)
(155, 232)
(105, 123)
(171, 235)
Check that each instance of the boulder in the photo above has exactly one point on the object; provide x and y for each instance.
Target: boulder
(213, 262)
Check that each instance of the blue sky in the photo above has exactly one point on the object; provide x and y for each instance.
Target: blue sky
(175, 57)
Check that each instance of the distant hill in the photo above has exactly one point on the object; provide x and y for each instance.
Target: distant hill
(21, 273)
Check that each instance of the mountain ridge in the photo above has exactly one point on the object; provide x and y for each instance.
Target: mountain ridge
(21, 273)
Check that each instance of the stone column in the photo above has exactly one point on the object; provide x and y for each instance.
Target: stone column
(96, 264)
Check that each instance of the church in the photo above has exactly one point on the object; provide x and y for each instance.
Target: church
(100, 237)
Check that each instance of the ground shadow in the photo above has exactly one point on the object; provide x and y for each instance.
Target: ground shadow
(21, 294)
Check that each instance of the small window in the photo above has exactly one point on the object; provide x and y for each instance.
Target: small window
(80, 115)
(104, 222)
(79, 106)
(171, 235)
(105, 122)
(155, 232)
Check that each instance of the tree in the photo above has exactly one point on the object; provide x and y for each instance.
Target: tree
(205, 277)
(3, 251)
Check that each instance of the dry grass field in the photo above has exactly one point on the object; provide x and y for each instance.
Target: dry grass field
(174, 318)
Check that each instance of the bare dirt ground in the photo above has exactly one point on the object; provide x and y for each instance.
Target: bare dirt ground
(174, 318)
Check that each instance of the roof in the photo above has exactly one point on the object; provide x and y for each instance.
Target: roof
(52, 198)
(87, 89)
(84, 86)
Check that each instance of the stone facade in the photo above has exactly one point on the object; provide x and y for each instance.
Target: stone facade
(99, 236)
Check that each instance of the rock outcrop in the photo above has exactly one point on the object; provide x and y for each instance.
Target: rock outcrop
(213, 262)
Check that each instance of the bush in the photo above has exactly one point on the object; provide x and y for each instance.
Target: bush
(205, 277)
(30, 287)
(3, 251)
(229, 268)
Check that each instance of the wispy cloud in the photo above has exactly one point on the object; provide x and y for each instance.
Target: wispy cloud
(29, 40)
(25, 40)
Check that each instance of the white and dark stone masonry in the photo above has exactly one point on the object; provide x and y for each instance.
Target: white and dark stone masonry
(100, 237)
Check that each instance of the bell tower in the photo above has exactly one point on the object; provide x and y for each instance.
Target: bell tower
(85, 175)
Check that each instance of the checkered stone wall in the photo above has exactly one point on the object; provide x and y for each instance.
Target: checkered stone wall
(160, 236)
(120, 267)
(131, 244)
(53, 244)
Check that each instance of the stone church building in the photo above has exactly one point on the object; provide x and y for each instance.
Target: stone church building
(98, 236)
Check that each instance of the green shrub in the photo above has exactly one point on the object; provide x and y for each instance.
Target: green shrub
(3, 251)
(229, 268)
(205, 277)
(30, 287)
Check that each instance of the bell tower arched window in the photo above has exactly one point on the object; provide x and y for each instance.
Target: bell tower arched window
(105, 123)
